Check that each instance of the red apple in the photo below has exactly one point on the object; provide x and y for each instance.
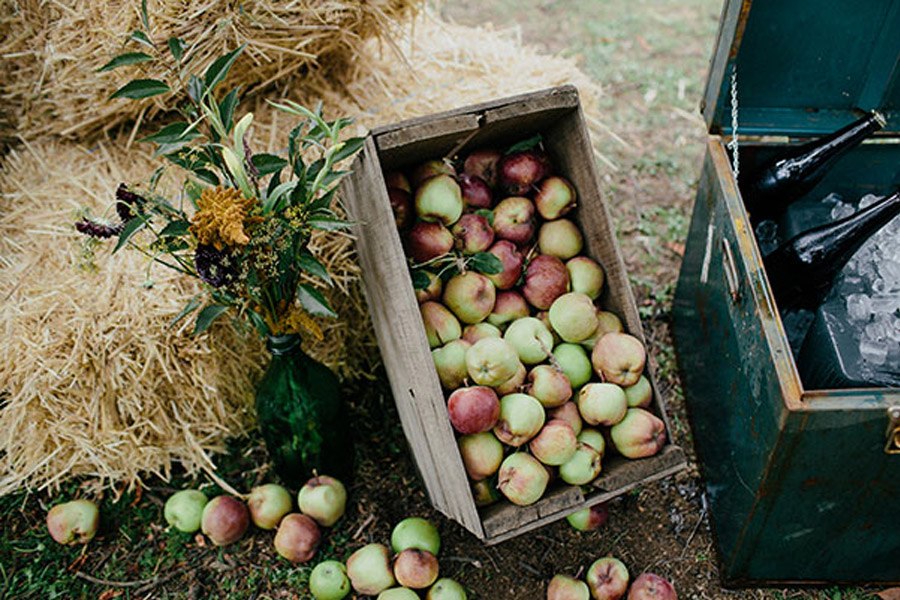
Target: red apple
(473, 409)
(639, 434)
(415, 569)
(396, 179)
(440, 324)
(473, 233)
(429, 169)
(549, 385)
(471, 296)
(555, 443)
(426, 241)
(555, 198)
(475, 192)
(483, 164)
(520, 171)
(402, 205)
(439, 200)
(482, 454)
(297, 538)
(514, 220)
(589, 519)
(509, 306)
(650, 586)
(432, 291)
(568, 412)
(513, 384)
(560, 238)
(546, 279)
(225, 520)
(619, 358)
(512, 261)
(608, 579)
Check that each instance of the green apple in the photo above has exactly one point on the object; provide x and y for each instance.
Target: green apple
(585, 276)
(446, 589)
(471, 296)
(400, 593)
(522, 479)
(574, 362)
(441, 326)
(555, 197)
(369, 569)
(492, 361)
(439, 200)
(268, 504)
(513, 384)
(563, 587)
(482, 454)
(521, 418)
(329, 581)
(450, 362)
(573, 316)
(602, 404)
(418, 533)
(560, 238)
(639, 395)
(324, 499)
(584, 466)
(184, 509)
(73, 522)
(530, 338)
(594, 439)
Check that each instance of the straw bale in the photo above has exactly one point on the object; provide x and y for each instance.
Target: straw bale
(96, 383)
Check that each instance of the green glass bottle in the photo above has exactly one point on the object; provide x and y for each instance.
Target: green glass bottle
(302, 415)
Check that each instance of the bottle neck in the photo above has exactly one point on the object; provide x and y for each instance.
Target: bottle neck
(280, 345)
(823, 151)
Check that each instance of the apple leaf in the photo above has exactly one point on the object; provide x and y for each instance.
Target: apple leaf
(420, 280)
(486, 263)
(487, 214)
(528, 144)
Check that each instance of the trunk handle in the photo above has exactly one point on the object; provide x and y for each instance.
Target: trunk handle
(731, 272)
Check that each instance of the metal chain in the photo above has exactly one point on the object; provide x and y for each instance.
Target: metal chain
(733, 144)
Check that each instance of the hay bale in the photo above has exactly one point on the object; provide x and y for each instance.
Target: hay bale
(51, 50)
(96, 383)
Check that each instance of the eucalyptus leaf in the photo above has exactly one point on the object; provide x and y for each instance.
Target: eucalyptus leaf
(528, 144)
(206, 176)
(139, 36)
(311, 265)
(485, 262)
(192, 305)
(129, 58)
(313, 301)
(226, 109)
(330, 224)
(195, 88)
(176, 47)
(141, 88)
(144, 19)
(175, 228)
(130, 228)
(349, 148)
(236, 167)
(207, 316)
(218, 70)
(267, 163)
(171, 134)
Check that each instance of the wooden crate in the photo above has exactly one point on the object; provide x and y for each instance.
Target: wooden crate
(556, 114)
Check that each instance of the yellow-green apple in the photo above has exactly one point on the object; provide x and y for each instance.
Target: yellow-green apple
(521, 418)
(73, 522)
(593, 438)
(560, 238)
(429, 169)
(511, 260)
(510, 305)
(450, 362)
(492, 361)
(585, 276)
(514, 220)
(485, 492)
(441, 326)
(329, 581)
(473, 409)
(650, 586)
(639, 434)
(483, 164)
(324, 499)
(481, 453)
(555, 198)
(402, 207)
(573, 316)
(478, 331)
(549, 385)
(519, 172)
(297, 538)
(555, 443)
(432, 291)
(530, 338)
(563, 587)
(607, 322)
(608, 579)
(400, 593)
(619, 358)
(476, 193)
(184, 509)
(439, 200)
(574, 362)
(268, 504)
(584, 466)
(473, 233)
(446, 589)
(522, 479)
(470, 296)
(396, 179)
(415, 569)
(602, 404)
(546, 279)
(426, 241)
(640, 394)
(369, 569)
(225, 519)
(568, 412)
(589, 519)
(513, 384)
(418, 533)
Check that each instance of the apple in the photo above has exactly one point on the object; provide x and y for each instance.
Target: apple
(546, 279)
(563, 587)
(509, 306)
(184, 509)
(329, 581)
(324, 499)
(560, 238)
(481, 453)
(427, 241)
(471, 296)
(483, 164)
(602, 404)
(514, 220)
(473, 233)
(573, 316)
(544, 316)
(446, 589)
(568, 412)
(589, 519)
(268, 504)
(439, 200)
(594, 439)
(520, 171)
(555, 444)
(619, 358)
(402, 206)
(73, 522)
(513, 384)
(522, 479)
(417, 533)
(584, 466)
(512, 261)
(492, 361)
(555, 197)
(549, 385)
(369, 569)
(650, 586)
(396, 179)
(225, 519)
(607, 578)
(639, 395)
(473, 409)
(476, 193)
(478, 331)
(639, 434)
(586, 276)
(485, 492)
(530, 338)
(608, 322)
(574, 362)
(297, 538)
(521, 418)
(429, 169)
(415, 569)
(450, 362)
(441, 326)
(432, 291)
(400, 593)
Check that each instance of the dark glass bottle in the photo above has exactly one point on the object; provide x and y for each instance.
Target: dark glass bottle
(302, 415)
(768, 191)
(802, 269)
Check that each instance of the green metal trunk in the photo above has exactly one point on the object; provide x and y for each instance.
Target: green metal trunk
(802, 483)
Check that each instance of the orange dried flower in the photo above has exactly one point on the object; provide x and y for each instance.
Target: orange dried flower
(222, 213)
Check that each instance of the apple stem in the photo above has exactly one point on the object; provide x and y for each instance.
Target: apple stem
(553, 362)
(458, 147)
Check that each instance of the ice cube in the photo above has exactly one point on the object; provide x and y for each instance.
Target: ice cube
(868, 200)
(833, 198)
(875, 353)
(879, 286)
(876, 331)
(884, 305)
(889, 269)
(841, 211)
(858, 307)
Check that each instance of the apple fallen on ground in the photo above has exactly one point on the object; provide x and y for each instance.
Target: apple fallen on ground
(225, 519)
(607, 579)
(446, 589)
(415, 569)
(184, 510)
(589, 519)
(268, 504)
(297, 538)
(522, 479)
(563, 587)
(416, 533)
(324, 499)
(400, 593)
(73, 522)
(329, 581)
(650, 586)
(369, 569)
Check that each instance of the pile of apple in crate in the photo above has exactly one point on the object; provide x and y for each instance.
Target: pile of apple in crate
(540, 380)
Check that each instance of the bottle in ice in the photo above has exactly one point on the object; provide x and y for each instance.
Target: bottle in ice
(768, 191)
(801, 270)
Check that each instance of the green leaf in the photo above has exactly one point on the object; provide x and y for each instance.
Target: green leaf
(258, 322)
(218, 70)
(206, 176)
(487, 214)
(323, 202)
(420, 279)
(176, 47)
(485, 262)
(139, 36)
(129, 58)
(154, 179)
(349, 148)
(144, 19)
(195, 88)
(528, 144)
(313, 301)
(267, 163)
(236, 168)
(141, 88)
(207, 316)
(330, 224)
(192, 305)
(171, 134)
(226, 109)
(175, 228)
(131, 227)
(311, 265)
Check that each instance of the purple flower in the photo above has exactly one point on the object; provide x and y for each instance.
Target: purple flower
(215, 267)
(97, 230)
(127, 202)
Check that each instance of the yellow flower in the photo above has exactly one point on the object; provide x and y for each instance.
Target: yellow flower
(222, 213)
(299, 321)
